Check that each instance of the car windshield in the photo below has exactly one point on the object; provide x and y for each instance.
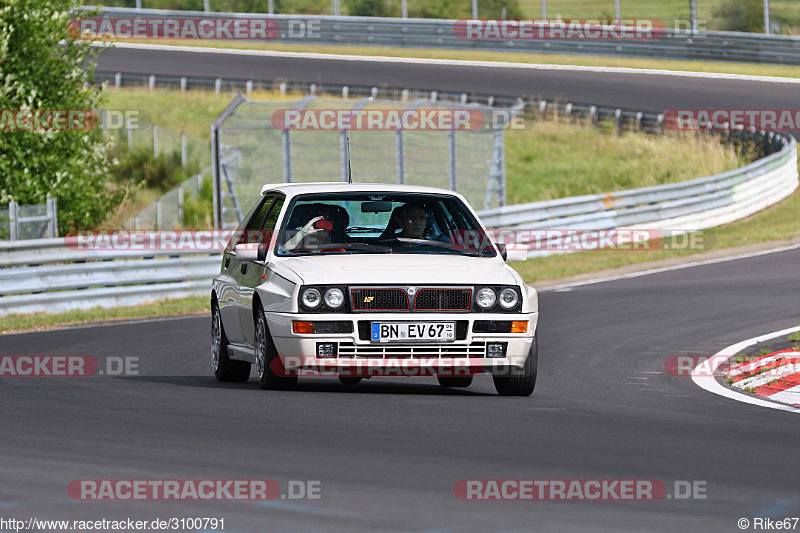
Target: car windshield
(396, 223)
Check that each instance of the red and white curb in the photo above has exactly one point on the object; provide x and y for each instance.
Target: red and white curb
(775, 376)
(706, 380)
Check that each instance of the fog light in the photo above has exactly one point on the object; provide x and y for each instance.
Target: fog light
(302, 327)
(496, 349)
(326, 349)
(519, 326)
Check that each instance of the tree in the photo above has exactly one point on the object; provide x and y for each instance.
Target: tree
(40, 73)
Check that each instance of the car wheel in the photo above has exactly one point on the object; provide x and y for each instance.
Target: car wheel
(266, 355)
(225, 368)
(520, 383)
(455, 382)
(349, 380)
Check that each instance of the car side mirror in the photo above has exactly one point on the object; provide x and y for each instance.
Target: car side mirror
(251, 251)
(515, 252)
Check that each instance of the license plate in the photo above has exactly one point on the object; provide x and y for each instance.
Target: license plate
(413, 331)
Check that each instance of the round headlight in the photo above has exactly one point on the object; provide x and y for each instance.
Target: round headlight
(508, 298)
(334, 298)
(311, 298)
(486, 298)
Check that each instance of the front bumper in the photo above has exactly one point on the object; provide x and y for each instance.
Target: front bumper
(357, 356)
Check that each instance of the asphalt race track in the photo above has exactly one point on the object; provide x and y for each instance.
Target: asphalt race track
(388, 452)
(633, 91)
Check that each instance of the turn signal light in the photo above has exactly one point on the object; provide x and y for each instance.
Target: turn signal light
(519, 326)
(302, 327)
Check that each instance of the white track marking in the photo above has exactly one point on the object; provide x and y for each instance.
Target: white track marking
(566, 286)
(788, 396)
(453, 62)
(702, 379)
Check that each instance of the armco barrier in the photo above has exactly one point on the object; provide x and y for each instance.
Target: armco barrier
(49, 276)
(432, 33)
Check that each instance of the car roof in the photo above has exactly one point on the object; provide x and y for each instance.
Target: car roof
(293, 189)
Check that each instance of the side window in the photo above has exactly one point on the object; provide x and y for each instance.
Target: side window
(240, 234)
(253, 232)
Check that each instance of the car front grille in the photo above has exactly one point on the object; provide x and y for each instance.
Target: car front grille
(424, 300)
(442, 300)
(350, 350)
(379, 299)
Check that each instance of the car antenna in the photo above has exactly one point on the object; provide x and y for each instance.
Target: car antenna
(349, 172)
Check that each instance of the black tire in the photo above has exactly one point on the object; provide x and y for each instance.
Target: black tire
(266, 354)
(225, 368)
(455, 382)
(350, 380)
(523, 382)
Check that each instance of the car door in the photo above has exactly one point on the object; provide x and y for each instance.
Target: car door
(253, 272)
(231, 276)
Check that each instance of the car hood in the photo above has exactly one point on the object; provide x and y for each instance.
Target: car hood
(411, 269)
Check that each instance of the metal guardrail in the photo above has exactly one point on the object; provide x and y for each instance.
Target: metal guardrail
(435, 33)
(54, 275)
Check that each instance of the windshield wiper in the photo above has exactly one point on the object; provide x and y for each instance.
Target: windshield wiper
(446, 245)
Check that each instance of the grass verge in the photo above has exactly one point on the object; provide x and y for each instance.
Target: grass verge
(41, 321)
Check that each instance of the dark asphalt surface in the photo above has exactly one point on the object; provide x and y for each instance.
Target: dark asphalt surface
(388, 452)
(634, 91)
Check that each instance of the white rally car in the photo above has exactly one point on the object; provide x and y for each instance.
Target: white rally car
(357, 279)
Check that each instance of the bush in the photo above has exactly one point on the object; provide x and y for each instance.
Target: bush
(137, 167)
(367, 8)
(740, 15)
(198, 211)
(38, 72)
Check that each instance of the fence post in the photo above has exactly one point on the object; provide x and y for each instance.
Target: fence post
(117, 79)
(51, 230)
(248, 87)
(128, 132)
(271, 7)
(218, 86)
(55, 216)
(282, 88)
(183, 84)
(13, 227)
(374, 92)
(618, 119)
(158, 214)
(345, 92)
(286, 148)
(404, 95)
(451, 138)
(206, 6)
(136, 222)
(183, 150)
(152, 82)
(343, 154)
(155, 140)
(180, 205)
(401, 157)
(544, 9)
